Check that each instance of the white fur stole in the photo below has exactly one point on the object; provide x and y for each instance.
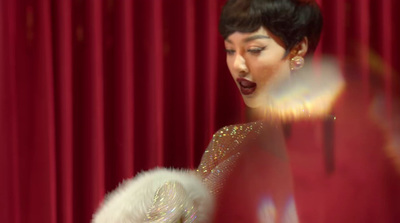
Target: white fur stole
(159, 195)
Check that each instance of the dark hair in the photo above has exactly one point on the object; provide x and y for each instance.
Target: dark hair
(290, 20)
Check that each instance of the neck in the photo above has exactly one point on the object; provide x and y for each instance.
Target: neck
(255, 114)
(258, 114)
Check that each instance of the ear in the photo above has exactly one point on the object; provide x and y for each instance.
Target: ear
(301, 48)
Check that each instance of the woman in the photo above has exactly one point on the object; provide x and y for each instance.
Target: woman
(266, 42)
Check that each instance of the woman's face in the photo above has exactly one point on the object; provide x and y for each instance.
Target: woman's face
(256, 61)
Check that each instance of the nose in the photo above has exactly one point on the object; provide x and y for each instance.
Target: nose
(239, 64)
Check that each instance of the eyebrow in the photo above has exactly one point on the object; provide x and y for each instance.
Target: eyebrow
(251, 38)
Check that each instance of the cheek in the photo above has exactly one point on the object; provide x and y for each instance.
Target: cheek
(270, 69)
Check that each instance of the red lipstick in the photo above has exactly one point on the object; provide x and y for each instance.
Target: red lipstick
(246, 87)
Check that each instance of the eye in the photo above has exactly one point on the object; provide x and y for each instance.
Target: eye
(230, 52)
(256, 50)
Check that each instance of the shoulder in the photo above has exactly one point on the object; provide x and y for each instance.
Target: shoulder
(223, 151)
(236, 133)
(225, 144)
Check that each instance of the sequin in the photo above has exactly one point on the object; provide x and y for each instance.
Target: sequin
(171, 204)
(222, 153)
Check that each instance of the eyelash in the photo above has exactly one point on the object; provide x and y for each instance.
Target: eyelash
(229, 52)
(254, 51)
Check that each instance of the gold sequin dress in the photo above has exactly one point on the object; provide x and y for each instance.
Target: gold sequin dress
(223, 151)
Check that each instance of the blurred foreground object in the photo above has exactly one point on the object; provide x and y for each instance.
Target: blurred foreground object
(260, 183)
(309, 93)
(390, 127)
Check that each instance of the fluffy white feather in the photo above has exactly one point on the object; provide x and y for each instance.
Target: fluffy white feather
(133, 198)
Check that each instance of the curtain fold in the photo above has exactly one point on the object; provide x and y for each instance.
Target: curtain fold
(156, 89)
(9, 186)
(362, 23)
(119, 95)
(339, 30)
(88, 107)
(93, 92)
(211, 61)
(63, 102)
(190, 73)
(387, 46)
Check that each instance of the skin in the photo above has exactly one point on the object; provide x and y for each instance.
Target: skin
(259, 57)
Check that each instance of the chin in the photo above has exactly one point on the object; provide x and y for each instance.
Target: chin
(251, 102)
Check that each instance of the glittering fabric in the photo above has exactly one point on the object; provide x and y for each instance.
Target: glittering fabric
(171, 204)
(223, 151)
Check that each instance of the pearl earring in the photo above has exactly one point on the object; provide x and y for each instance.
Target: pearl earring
(296, 63)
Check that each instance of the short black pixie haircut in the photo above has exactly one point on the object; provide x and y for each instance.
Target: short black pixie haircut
(290, 20)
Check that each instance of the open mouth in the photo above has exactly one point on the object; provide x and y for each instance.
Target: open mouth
(246, 87)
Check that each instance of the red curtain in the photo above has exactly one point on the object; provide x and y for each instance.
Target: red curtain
(92, 92)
